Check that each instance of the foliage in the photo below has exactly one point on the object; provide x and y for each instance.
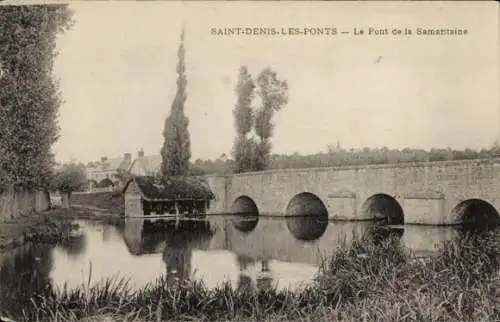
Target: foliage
(29, 95)
(243, 113)
(363, 156)
(243, 146)
(251, 154)
(176, 150)
(274, 96)
(244, 154)
(70, 177)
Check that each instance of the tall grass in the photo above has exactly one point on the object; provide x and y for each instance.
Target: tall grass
(365, 281)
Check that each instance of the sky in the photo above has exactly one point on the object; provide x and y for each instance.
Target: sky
(116, 68)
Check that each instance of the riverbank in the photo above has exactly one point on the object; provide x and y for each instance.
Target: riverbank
(371, 281)
(51, 226)
(112, 201)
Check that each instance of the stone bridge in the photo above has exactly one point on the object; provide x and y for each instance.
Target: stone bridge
(432, 193)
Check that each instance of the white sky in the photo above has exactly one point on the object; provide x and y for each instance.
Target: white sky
(117, 73)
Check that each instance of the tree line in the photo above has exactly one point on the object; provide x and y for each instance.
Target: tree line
(343, 157)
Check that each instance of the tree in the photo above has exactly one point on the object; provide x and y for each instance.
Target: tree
(70, 177)
(274, 95)
(243, 146)
(176, 150)
(29, 96)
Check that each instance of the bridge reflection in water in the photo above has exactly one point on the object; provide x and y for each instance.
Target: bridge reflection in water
(252, 251)
(246, 251)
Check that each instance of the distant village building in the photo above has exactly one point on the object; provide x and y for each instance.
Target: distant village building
(145, 165)
(107, 170)
(143, 197)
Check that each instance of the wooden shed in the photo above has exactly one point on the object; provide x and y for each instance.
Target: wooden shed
(177, 196)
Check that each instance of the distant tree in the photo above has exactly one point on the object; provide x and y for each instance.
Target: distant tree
(196, 171)
(176, 150)
(29, 95)
(495, 149)
(274, 96)
(69, 178)
(243, 115)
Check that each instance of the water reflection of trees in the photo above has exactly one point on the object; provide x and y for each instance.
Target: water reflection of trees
(245, 282)
(24, 273)
(264, 279)
(178, 251)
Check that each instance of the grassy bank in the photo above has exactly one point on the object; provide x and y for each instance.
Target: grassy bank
(112, 201)
(365, 281)
(52, 226)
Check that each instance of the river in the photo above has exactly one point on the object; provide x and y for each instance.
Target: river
(282, 252)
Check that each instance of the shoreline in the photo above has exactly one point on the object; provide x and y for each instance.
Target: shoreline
(48, 226)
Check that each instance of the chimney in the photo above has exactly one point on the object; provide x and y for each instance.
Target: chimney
(127, 156)
(140, 154)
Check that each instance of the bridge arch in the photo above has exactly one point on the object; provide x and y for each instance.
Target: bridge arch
(245, 214)
(306, 203)
(306, 217)
(475, 213)
(383, 206)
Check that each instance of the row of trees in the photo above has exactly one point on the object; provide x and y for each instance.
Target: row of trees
(29, 96)
(342, 157)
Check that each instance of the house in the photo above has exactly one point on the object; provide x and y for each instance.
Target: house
(106, 171)
(144, 197)
(145, 165)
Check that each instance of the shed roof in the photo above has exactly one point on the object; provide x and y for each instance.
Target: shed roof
(173, 189)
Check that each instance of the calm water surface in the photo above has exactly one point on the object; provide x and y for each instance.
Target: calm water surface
(284, 252)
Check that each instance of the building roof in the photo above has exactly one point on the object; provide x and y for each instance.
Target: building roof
(145, 165)
(113, 164)
(173, 189)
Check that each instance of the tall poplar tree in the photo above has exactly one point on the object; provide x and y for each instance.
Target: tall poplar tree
(273, 94)
(29, 94)
(243, 146)
(176, 150)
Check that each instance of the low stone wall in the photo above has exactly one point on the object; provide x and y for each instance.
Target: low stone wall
(14, 204)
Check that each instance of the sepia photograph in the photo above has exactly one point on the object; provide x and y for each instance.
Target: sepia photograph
(249, 161)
